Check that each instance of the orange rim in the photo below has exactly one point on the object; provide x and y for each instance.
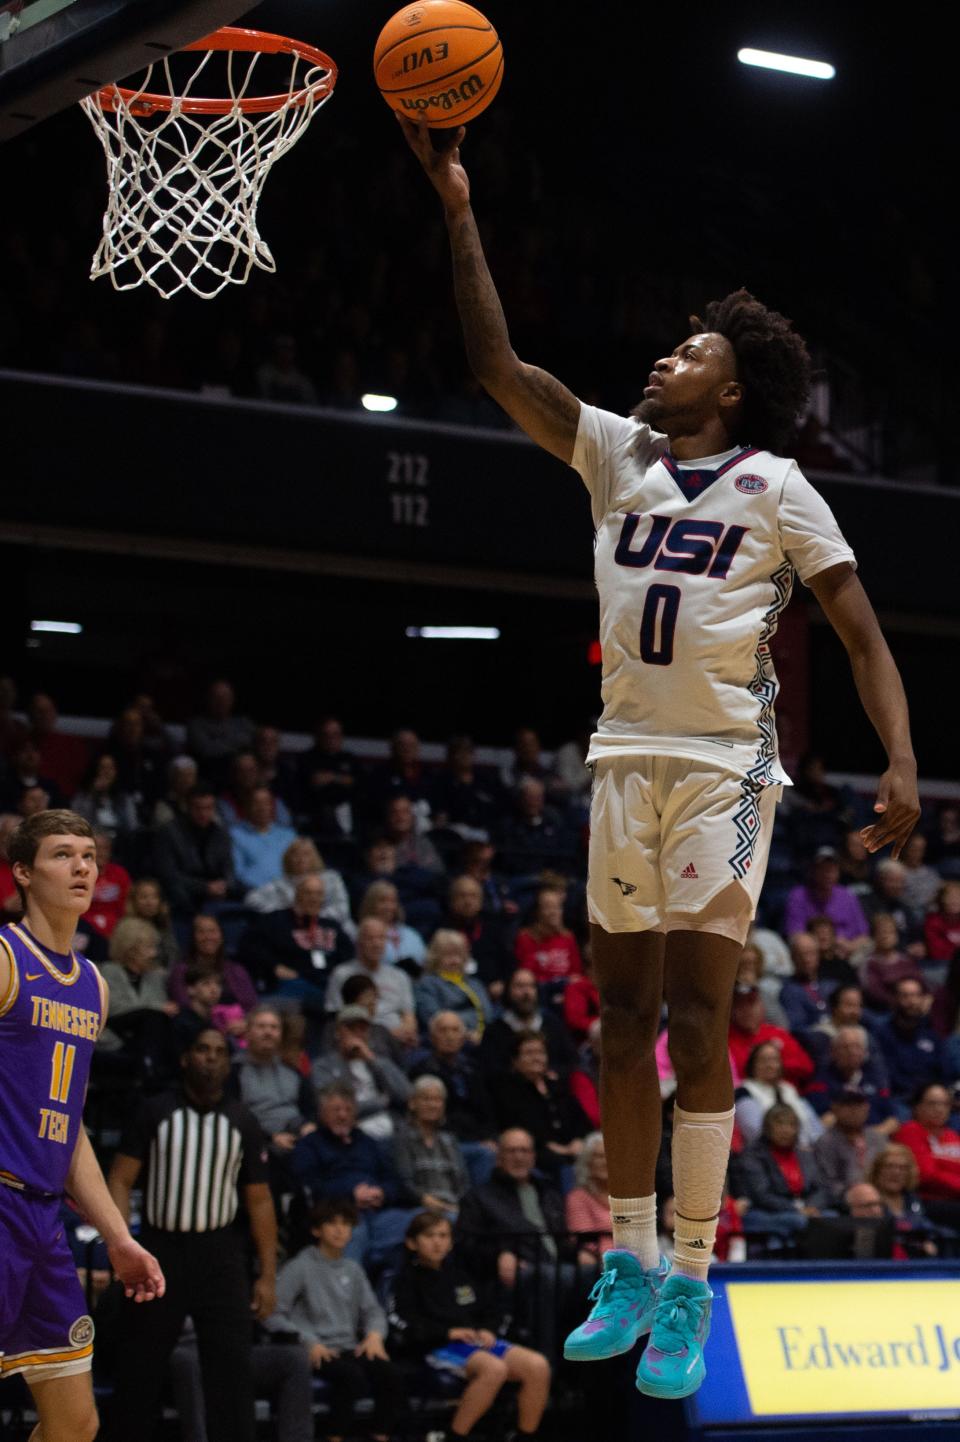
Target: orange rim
(230, 37)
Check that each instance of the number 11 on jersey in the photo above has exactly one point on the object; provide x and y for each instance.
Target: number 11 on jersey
(61, 1071)
(55, 1125)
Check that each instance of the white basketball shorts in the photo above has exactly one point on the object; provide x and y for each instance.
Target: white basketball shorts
(667, 835)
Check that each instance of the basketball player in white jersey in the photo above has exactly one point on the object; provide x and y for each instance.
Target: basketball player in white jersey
(701, 523)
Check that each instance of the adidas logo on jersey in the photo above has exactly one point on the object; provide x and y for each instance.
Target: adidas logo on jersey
(627, 888)
(690, 873)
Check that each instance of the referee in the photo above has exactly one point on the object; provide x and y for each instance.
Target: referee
(200, 1152)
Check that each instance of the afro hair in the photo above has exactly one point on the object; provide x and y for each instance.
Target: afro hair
(773, 366)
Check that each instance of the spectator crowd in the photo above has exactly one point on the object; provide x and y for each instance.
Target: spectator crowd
(380, 974)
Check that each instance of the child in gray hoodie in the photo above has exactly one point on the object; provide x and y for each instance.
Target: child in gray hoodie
(328, 1301)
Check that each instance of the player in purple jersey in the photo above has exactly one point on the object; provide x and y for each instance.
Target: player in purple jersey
(53, 1006)
(701, 521)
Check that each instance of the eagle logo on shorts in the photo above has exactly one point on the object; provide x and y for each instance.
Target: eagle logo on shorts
(81, 1332)
(627, 888)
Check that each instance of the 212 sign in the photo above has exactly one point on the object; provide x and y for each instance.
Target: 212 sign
(409, 468)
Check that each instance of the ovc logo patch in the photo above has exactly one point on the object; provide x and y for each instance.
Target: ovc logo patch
(751, 485)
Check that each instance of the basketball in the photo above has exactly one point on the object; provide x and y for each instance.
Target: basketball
(438, 60)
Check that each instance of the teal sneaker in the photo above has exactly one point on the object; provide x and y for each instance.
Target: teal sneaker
(672, 1364)
(624, 1297)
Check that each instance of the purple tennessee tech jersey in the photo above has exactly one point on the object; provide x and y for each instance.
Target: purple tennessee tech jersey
(50, 1019)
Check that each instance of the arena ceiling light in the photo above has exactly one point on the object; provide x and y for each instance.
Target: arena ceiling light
(454, 633)
(371, 402)
(59, 628)
(789, 64)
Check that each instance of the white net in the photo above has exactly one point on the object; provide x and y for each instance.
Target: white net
(183, 187)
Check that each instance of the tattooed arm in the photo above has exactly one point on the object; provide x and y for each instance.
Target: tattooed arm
(540, 405)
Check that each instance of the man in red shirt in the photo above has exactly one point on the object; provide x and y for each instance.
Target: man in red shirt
(581, 1002)
(110, 892)
(936, 1147)
(64, 758)
(547, 947)
(10, 904)
(748, 1029)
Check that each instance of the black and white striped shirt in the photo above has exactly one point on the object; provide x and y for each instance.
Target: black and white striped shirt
(194, 1161)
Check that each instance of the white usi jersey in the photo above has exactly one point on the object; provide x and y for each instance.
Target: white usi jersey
(694, 564)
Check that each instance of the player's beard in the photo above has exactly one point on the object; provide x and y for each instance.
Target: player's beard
(655, 413)
(650, 412)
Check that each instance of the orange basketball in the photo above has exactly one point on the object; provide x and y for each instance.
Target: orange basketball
(438, 60)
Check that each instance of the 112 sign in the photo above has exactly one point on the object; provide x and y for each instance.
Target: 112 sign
(408, 507)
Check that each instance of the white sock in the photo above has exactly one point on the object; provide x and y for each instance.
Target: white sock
(635, 1228)
(701, 1153)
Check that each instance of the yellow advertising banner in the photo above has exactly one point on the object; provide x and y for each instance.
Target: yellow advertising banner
(834, 1346)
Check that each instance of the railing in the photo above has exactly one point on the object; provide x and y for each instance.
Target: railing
(430, 496)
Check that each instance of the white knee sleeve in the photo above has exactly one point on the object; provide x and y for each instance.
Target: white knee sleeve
(701, 1152)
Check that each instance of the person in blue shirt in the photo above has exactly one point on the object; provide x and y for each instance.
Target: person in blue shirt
(405, 947)
(913, 1052)
(850, 1064)
(803, 996)
(339, 1160)
(259, 841)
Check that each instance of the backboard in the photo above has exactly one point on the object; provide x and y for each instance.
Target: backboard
(54, 52)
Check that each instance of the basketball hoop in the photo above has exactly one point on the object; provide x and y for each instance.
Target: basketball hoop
(185, 172)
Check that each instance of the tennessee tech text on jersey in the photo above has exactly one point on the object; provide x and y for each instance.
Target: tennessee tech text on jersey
(50, 1019)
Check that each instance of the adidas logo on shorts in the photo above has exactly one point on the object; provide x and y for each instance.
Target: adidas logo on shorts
(690, 873)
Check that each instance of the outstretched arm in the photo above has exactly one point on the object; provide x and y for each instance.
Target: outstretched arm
(540, 405)
(878, 683)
